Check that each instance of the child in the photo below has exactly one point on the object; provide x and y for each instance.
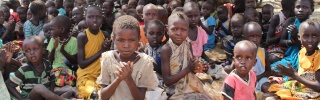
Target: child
(22, 14)
(267, 13)
(4, 91)
(174, 4)
(306, 79)
(139, 9)
(177, 62)
(37, 70)
(59, 5)
(197, 36)
(154, 32)
(125, 71)
(236, 24)
(223, 22)
(108, 16)
(132, 4)
(252, 31)
(208, 23)
(275, 51)
(150, 12)
(240, 83)
(252, 15)
(50, 3)
(124, 8)
(289, 37)
(162, 15)
(77, 16)
(91, 44)
(68, 6)
(250, 4)
(79, 3)
(62, 47)
(134, 13)
(53, 11)
(33, 26)
(5, 31)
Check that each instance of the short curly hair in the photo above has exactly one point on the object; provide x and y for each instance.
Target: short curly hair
(126, 22)
(37, 6)
(62, 21)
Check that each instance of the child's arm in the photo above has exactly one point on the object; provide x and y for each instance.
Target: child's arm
(289, 71)
(83, 63)
(205, 57)
(209, 29)
(71, 58)
(3, 59)
(272, 29)
(165, 66)
(284, 36)
(224, 29)
(108, 91)
(13, 83)
(52, 52)
(9, 30)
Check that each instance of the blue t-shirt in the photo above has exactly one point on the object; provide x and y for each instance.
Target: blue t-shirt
(62, 11)
(30, 29)
(210, 21)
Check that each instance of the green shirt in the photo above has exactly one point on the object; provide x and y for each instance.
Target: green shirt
(71, 48)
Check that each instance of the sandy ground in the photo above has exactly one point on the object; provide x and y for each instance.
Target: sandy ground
(217, 54)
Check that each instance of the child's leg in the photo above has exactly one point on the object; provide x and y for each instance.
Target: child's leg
(39, 92)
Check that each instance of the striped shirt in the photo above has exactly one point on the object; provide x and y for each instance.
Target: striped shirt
(26, 77)
(30, 29)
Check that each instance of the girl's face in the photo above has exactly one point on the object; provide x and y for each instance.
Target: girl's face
(33, 52)
(154, 34)
(94, 18)
(178, 30)
(77, 15)
(194, 15)
(127, 41)
(302, 9)
(310, 37)
(236, 27)
(250, 4)
(206, 10)
(244, 59)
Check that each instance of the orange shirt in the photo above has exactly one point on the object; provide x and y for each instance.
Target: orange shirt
(143, 38)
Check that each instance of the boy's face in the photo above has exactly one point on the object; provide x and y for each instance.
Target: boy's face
(1, 18)
(140, 10)
(178, 30)
(222, 15)
(33, 52)
(302, 9)
(22, 14)
(29, 14)
(132, 5)
(77, 15)
(309, 37)
(206, 10)
(250, 4)
(52, 11)
(254, 34)
(267, 14)
(253, 16)
(236, 27)
(55, 30)
(68, 7)
(127, 41)
(150, 13)
(107, 8)
(25, 3)
(244, 59)
(59, 3)
(193, 14)
(154, 35)
(6, 13)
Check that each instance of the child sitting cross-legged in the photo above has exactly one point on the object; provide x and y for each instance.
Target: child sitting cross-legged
(126, 73)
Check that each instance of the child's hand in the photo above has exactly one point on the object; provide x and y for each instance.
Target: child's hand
(106, 44)
(56, 42)
(195, 64)
(11, 25)
(62, 45)
(124, 70)
(292, 30)
(9, 48)
(288, 71)
(3, 58)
